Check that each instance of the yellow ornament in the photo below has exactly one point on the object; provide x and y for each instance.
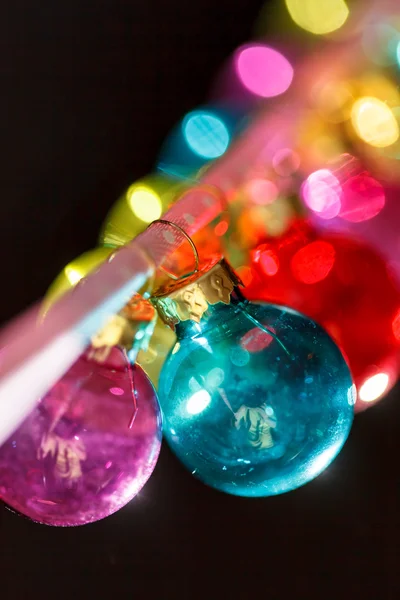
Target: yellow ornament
(75, 271)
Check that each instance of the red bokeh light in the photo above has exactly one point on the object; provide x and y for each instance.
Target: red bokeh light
(313, 262)
(268, 261)
(221, 228)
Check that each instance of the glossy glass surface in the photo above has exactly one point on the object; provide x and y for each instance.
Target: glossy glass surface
(345, 286)
(85, 451)
(255, 411)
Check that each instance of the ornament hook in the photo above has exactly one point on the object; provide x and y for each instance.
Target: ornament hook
(192, 245)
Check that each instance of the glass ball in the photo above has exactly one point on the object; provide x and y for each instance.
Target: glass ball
(257, 399)
(346, 286)
(87, 448)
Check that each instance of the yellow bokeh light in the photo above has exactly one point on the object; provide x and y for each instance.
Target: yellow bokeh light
(145, 203)
(318, 16)
(122, 224)
(374, 122)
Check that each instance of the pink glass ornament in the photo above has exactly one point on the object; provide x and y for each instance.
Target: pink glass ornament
(87, 448)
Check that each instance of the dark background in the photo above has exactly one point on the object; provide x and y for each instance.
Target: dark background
(89, 91)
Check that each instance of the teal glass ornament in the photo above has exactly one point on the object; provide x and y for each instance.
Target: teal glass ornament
(256, 399)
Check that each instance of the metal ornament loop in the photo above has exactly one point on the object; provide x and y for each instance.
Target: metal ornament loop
(192, 245)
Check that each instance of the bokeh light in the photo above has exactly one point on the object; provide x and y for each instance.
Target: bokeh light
(374, 387)
(269, 262)
(206, 134)
(374, 122)
(363, 198)
(314, 262)
(263, 71)
(142, 202)
(318, 16)
(261, 191)
(322, 193)
(221, 228)
(145, 203)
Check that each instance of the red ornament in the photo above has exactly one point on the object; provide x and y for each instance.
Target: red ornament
(344, 285)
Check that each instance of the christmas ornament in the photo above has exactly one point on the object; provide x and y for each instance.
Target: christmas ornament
(152, 357)
(120, 227)
(345, 286)
(256, 399)
(93, 440)
(123, 224)
(74, 272)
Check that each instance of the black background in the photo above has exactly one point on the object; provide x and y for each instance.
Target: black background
(89, 91)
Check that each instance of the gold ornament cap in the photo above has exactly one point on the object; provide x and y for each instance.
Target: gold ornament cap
(189, 298)
(130, 329)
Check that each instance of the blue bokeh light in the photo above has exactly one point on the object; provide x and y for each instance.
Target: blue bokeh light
(206, 134)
